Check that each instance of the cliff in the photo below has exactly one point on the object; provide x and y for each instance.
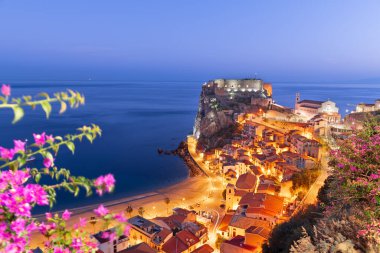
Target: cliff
(220, 101)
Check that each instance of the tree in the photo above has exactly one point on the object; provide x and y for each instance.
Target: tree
(141, 211)
(167, 202)
(93, 222)
(219, 241)
(129, 210)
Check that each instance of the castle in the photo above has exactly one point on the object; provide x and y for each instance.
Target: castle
(362, 107)
(241, 87)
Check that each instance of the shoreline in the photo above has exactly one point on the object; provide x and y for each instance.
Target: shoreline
(193, 189)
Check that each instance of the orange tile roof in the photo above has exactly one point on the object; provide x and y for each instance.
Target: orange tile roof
(246, 181)
(269, 202)
(263, 232)
(204, 249)
(223, 226)
(180, 242)
(243, 222)
(238, 241)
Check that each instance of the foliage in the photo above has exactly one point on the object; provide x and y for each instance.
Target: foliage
(167, 202)
(141, 211)
(285, 234)
(129, 210)
(357, 171)
(305, 178)
(21, 189)
(219, 241)
(347, 214)
(73, 98)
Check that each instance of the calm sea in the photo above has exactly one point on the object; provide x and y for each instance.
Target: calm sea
(137, 118)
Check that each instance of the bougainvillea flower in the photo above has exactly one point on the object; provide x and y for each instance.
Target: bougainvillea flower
(48, 162)
(49, 138)
(66, 215)
(40, 139)
(6, 90)
(7, 154)
(101, 211)
(19, 146)
(104, 183)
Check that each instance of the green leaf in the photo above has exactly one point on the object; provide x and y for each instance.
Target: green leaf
(44, 94)
(89, 137)
(46, 107)
(18, 114)
(21, 160)
(37, 177)
(63, 107)
(71, 146)
(76, 192)
(27, 98)
(49, 155)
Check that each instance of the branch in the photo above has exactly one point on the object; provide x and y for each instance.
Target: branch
(73, 98)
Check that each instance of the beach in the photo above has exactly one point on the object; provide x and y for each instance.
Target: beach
(189, 191)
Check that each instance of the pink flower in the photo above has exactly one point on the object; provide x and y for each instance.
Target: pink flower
(60, 250)
(6, 154)
(66, 215)
(40, 139)
(50, 138)
(120, 217)
(104, 183)
(101, 211)
(82, 222)
(76, 243)
(19, 146)
(6, 90)
(48, 162)
(48, 216)
(127, 230)
(353, 168)
(374, 176)
(18, 225)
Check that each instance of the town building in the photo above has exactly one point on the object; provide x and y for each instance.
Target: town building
(139, 248)
(237, 245)
(106, 246)
(183, 242)
(311, 108)
(143, 230)
(262, 206)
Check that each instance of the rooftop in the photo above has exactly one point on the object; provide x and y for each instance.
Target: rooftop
(246, 181)
(263, 232)
(238, 241)
(204, 249)
(243, 222)
(180, 242)
(144, 224)
(311, 101)
(139, 248)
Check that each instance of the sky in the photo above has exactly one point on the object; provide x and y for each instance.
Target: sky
(173, 40)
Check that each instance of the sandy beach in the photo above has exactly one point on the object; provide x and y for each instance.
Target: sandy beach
(187, 192)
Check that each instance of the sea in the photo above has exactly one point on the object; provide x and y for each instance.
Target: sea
(137, 118)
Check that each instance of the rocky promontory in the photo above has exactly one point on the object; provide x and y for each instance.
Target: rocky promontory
(221, 100)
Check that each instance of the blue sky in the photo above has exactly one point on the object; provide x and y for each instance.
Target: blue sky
(187, 40)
